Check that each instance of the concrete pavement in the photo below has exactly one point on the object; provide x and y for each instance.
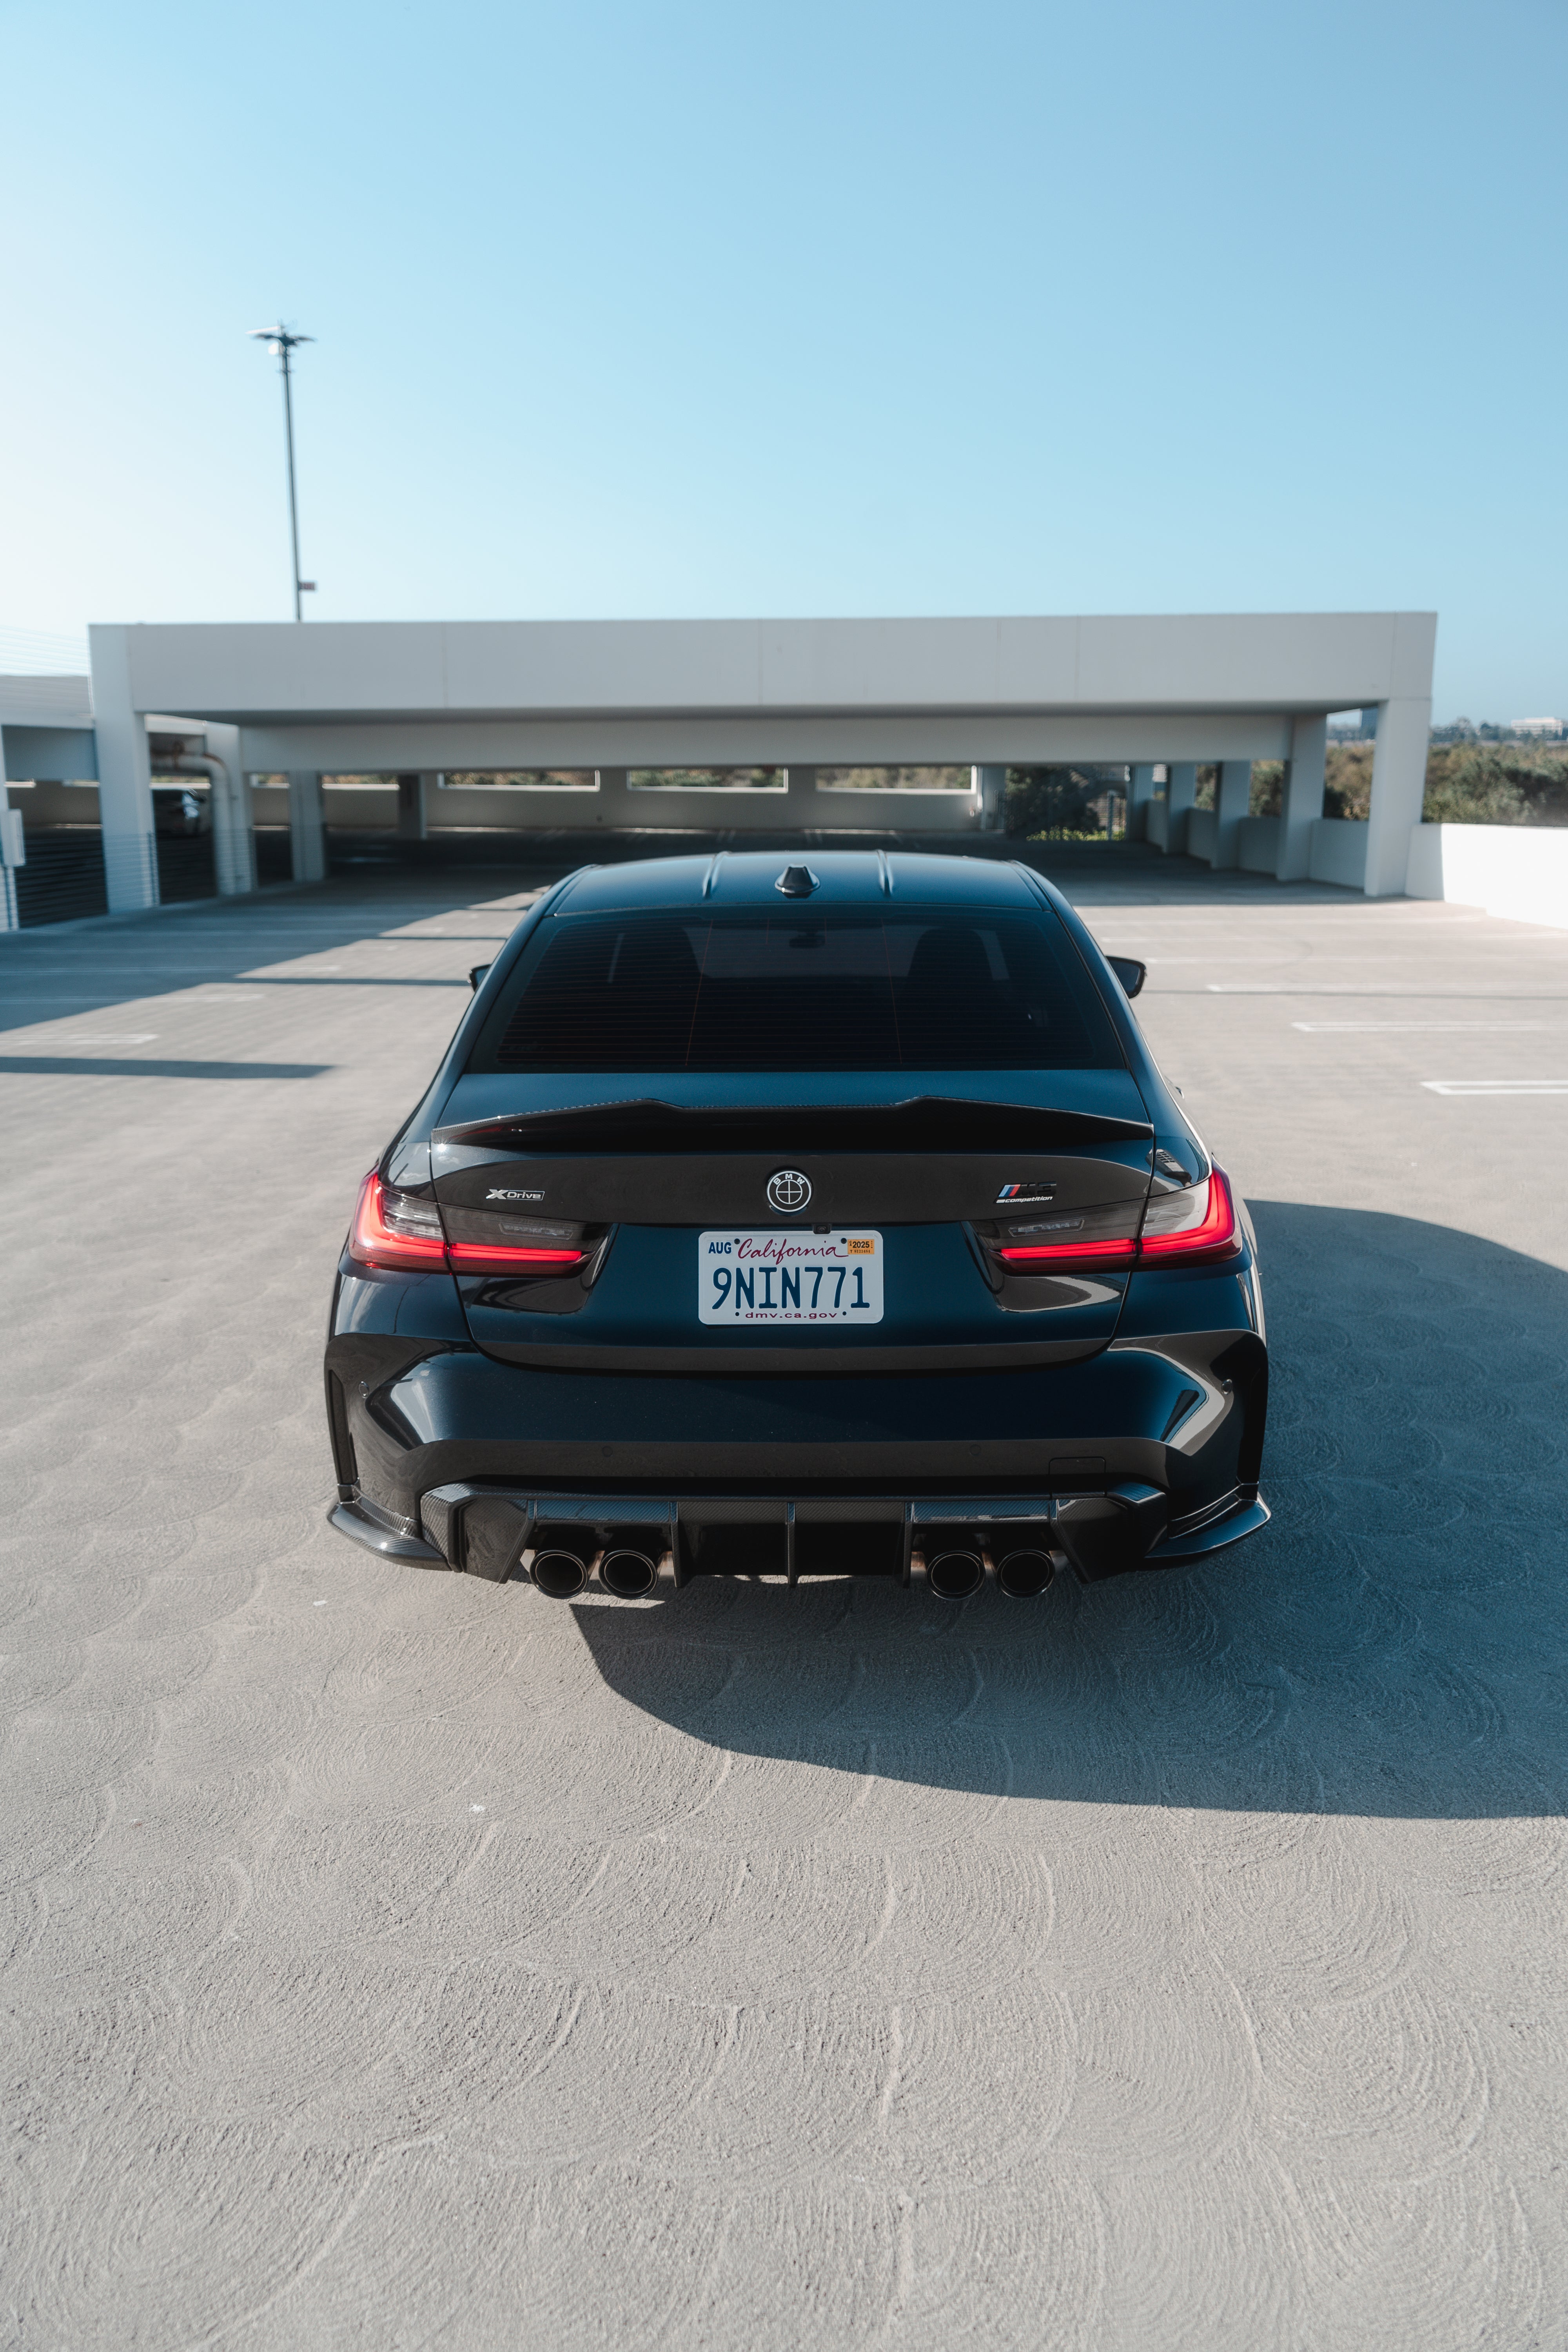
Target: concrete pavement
(389, 1959)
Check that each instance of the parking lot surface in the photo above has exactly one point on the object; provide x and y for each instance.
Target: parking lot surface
(390, 1958)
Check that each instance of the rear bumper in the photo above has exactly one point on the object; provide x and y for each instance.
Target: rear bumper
(1143, 1456)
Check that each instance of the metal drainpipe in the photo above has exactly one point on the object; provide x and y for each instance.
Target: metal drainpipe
(233, 865)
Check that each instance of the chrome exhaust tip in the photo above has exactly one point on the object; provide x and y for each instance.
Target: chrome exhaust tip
(629, 1575)
(956, 1575)
(559, 1575)
(1023, 1574)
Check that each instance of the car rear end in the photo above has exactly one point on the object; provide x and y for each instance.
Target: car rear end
(840, 1228)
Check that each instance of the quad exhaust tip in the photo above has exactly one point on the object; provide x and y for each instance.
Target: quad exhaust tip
(958, 1575)
(559, 1575)
(1023, 1574)
(629, 1575)
(954, 1575)
(562, 1573)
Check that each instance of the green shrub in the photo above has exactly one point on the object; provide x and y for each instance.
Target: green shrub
(1482, 784)
(1347, 790)
(1268, 788)
(1053, 804)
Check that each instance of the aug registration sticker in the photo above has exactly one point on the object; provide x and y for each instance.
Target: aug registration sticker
(789, 1277)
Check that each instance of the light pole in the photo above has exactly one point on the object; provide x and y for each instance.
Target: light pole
(281, 341)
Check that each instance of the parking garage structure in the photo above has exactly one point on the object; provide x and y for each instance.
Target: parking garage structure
(287, 736)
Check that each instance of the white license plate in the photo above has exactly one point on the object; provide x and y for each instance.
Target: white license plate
(789, 1277)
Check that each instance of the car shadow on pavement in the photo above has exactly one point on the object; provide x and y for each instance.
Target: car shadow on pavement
(1392, 1646)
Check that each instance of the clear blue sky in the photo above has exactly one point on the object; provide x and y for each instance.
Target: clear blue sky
(843, 309)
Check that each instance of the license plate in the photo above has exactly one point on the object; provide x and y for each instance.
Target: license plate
(789, 1277)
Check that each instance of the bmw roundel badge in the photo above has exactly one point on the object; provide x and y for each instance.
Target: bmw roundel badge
(788, 1190)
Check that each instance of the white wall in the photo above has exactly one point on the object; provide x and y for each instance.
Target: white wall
(1258, 845)
(1517, 870)
(1339, 852)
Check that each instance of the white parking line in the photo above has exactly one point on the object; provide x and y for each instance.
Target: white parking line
(107, 1037)
(1493, 1087)
(1360, 1028)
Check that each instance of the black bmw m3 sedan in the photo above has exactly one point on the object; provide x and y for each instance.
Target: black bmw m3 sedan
(833, 1220)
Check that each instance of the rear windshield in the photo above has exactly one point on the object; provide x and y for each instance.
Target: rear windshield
(845, 988)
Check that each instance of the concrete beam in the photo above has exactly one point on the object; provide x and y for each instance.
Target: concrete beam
(67, 753)
(385, 745)
(249, 673)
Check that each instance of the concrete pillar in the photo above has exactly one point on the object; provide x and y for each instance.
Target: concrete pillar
(615, 807)
(802, 785)
(234, 826)
(1139, 792)
(412, 815)
(1398, 789)
(306, 825)
(1232, 793)
(1301, 800)
(1182, 793)
(10, 843)
(124, 777)
(991, 783)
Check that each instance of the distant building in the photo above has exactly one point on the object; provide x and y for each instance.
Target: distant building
(1548, 729)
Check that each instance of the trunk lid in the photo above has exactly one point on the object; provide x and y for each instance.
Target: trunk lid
(637, 1174)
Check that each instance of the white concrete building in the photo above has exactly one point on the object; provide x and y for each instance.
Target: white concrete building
(420, 699)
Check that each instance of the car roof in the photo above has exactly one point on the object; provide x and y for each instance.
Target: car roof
(845, 877)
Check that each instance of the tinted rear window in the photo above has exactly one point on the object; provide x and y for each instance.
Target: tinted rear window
(845, 988)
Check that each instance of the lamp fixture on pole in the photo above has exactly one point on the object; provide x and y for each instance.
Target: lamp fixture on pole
(280, 341)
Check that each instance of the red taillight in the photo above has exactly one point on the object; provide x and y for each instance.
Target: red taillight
(1192, 1226)
(478, 1257)
(397, 1228)
(1077, 1251)
(1210, 1229)
(375, 1242)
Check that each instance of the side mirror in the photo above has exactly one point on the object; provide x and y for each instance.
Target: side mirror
(1128, 971)
(477, 972)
